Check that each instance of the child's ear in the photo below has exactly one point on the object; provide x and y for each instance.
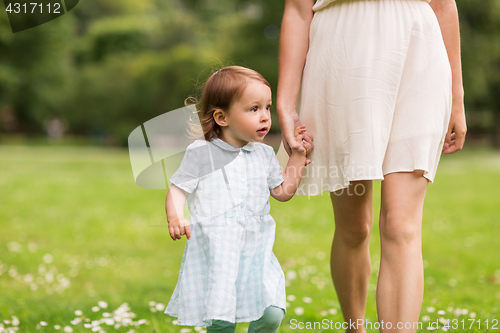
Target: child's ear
(220, 117)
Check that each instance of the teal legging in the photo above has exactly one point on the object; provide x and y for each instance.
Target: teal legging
(268, 323)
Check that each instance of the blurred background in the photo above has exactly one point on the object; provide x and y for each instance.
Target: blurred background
(105, 67)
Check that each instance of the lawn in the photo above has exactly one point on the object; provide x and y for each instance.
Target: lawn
(82, 245)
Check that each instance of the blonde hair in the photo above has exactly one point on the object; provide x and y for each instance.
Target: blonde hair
(219, 92)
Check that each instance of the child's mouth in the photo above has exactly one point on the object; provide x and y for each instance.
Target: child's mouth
(262, 131)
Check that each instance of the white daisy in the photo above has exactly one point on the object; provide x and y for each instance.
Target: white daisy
(47, 258)
(299, 311)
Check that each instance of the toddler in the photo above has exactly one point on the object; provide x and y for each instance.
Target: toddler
(229, 273)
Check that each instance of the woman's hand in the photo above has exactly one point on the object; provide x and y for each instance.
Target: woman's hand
(447, 16)
(289, 126)
(455, 137)
(288, 123)
(179, 227)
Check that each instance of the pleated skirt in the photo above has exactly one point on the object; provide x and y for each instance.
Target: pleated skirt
(375, 93)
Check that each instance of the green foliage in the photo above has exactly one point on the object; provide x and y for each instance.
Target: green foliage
(108, 65)
(36, 70)
(480, 28)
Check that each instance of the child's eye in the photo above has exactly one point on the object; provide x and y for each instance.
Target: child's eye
(268, 107)
(254, 109)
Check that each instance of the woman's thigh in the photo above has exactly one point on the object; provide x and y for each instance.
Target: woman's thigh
(353, 209)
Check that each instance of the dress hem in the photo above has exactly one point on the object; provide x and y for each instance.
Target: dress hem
(327, 188)
(205, 321)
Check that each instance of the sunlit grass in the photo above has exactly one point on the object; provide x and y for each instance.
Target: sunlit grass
(81, 246)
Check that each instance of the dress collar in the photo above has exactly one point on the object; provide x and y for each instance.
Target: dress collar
(226, 146)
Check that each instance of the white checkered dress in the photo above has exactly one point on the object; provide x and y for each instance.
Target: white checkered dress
(228, 270)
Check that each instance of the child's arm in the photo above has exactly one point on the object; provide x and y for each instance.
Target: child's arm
(294, 169)
(174, 205)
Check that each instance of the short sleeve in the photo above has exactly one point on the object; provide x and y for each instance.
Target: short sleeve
(275, 176)
(187, 176)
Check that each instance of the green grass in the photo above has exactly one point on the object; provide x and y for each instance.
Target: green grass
(75, 214)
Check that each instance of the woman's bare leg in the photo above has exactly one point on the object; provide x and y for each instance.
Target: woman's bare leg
(350, 258)
(401, 278)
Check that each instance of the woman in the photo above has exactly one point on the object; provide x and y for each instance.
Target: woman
(382, 96)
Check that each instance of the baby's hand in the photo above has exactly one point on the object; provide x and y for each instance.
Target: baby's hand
(178, 228)
(299, 133)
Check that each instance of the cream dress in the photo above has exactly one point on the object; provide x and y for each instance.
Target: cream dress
(375, 92)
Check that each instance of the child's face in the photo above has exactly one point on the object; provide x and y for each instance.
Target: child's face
(249, 118)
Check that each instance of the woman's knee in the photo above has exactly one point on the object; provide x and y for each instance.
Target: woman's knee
(402, 201)
(354, 235)
(353, 215)
(354, 228)
(399, 228)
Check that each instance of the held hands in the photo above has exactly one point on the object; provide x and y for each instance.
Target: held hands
(179, 227)
(289, 123)
(304, 140)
